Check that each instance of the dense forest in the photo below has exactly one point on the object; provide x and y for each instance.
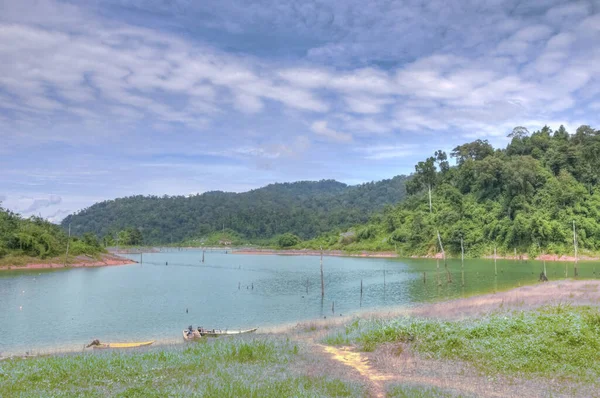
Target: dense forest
(38, 238)
(305, 209)
(524, 198)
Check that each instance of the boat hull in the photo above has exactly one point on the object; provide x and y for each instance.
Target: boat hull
(123, 345)
(217, 333)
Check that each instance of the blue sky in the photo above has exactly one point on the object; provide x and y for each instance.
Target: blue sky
(103, 99)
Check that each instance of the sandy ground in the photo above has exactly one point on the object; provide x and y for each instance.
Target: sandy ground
(77, 262)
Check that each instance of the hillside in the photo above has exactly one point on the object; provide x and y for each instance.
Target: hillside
(304, 208)
(523, 198)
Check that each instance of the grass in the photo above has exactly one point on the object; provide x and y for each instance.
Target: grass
(555, 342)
(408, 391)
(224, 368)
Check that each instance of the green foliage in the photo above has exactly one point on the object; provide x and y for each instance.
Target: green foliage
(305, 209)
(522, 198)
(36, 238)
(288, 240)
(556, 341)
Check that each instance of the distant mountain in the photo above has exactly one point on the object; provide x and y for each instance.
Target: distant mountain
(305, 208)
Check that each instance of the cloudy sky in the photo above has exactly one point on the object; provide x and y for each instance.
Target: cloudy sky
(108, 98)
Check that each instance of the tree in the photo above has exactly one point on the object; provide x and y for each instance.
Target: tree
(476, 150)
(519, 133)
(425, 176)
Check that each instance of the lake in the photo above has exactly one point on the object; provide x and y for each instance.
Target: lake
(64, 309)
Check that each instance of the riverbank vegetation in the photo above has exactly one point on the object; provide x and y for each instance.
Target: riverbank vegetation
(560, 342)
(254, 367)
(522, 199)
(23, 240)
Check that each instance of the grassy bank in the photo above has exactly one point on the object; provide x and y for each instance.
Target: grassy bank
(255, 367)
(555, 342)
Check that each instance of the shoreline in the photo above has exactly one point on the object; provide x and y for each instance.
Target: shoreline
(106, 260)
(392, 254)
(310, 252)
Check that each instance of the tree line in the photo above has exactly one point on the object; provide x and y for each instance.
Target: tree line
(36, 237)
(523, 198)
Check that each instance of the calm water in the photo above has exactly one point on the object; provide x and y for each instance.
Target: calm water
(64, 309)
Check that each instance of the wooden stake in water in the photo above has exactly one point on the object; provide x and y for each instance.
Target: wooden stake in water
(322, 280)
(384, 279)
(462, 253)
(202, 255)
(495, 266)
(333, 307)
(546, 275)
(361, 288)
(424, 277)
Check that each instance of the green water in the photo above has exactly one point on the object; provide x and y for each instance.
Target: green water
(63, 309)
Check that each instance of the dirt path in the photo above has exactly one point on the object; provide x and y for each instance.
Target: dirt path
(359, 363)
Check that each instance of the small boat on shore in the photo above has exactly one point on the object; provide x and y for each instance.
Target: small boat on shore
(96, 344)
(191, 336)
(218, 332)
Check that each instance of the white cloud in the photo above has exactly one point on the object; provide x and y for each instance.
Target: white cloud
(320, 128)
(353, 72)
(31, 205)
(388, 151)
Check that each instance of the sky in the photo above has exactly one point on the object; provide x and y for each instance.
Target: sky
(102, 99)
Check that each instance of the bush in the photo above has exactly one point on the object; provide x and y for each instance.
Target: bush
(288, 240)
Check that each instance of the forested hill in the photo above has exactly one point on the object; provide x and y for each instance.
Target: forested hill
(305, 209)
(524, 197)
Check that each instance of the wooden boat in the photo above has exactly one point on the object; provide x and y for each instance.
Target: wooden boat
(191, 337)
(123, 345)
(217, 332)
